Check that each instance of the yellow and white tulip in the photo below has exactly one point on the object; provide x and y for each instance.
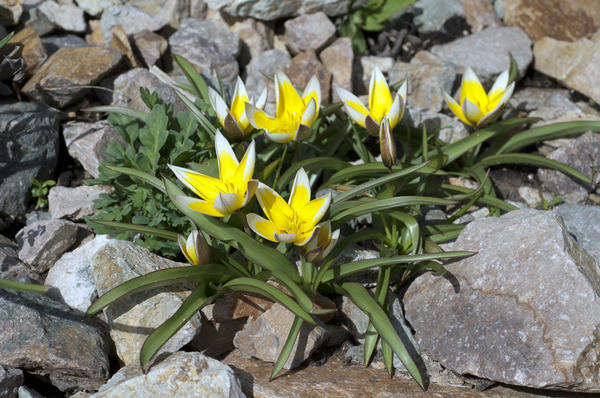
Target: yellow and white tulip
(476, 108)
(233, 189)
(234, 119)
(194, 248)
(321, 243)
(292, 222)
(381, 104)
(294, 113)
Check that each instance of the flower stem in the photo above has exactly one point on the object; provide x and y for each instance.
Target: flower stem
(285, 147)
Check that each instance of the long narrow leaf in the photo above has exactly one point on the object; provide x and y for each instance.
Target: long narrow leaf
(123, 226)
(361, 297)
(310, 164)
(287, 347)
(164, 332)
(193, 77)
(22, 287)
(375, 168)
(299, 294)
(484, 199)
(200, 117)
(143, 116)
(147, 177)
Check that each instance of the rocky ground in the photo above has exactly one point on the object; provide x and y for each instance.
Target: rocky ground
(519, 319)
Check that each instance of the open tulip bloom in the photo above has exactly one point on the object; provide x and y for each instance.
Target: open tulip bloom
(476, 108)
(224, 195)
(380, 104)
(294, 113)
(292, 222)
(234, 119)
(322, 242)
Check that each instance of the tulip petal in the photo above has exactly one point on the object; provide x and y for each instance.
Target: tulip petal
(261, 226)
(275, 208)
(250, 191)
(312, 91)
(262, 99)
(260, 120)
(380, 98)
(287, 98)
(500, 83)
(354, 106)
(280, 138)
(186, 247)
(204, 186)
(201, 206)
(396, 111)
(310, 113)
(472, 89)
(314, 210)
(285, 238)
(228, 162)
(240, 97)
(300, 195)
(455, 108)
(332, 241)
(245, 169)
(490, 116)
(472, 111)
(234, 129)
(218, 105)
(227, 203)
(305, 237)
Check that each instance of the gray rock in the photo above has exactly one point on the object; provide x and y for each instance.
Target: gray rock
(264, 337)
(338, 59)
(173, 11)
(367, 64)
(29, 139)
(486, 52)
(181, 375)
(74, 203)
(581, 154)
(127, 90)
(64, 16)
(151, 46)
(216, 338)
(42, 336)
(308, 32)
(266, 63)
(480, 14)
(133, 318)
(583, 223)
(131, 20)
(35, 216)
(54, 43)
(71, 275)
(209, 45)
(10, 381)
(36, 19)
(25, 392)
(256, 37)
(42, 243)
(10, 265)
(529, 318)
(68, 74)
(449, 129)
(431, 15)
(87, 143)
(10, 12)
(95, 7)
(303, 67)
(269, 10)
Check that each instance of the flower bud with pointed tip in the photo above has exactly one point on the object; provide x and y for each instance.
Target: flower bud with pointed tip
(195, 248)
(387, 144)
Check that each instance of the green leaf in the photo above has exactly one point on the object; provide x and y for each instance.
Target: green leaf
(147, 177)
(143, 116)
(271, 292)
(513, 70)
(193, 77)
(311, 164)
(216, 273)
(342, 270)
(486, 200)
(361, 297)
(6, 39)
(122, 226)
(373, 20)
(197, 113)
(258, 253)
(155, 135)
(22, 287)
(299, 294)
(287, 347)
(168, 328)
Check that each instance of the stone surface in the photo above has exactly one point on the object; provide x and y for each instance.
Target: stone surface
(42, 336)
(574, 64)
(134, 317)
(425, 81)
(216, 338)
(530, 318)
(33, 52)
(151, 46)
(25, 392)
(480, 14)
(363, 75)
(449, 129)
(10, 12)
(87, 142)
(66, 76)
(74, 203)
(266, 63)
(131, 20)
(71, 275)
(10, 265)
(173, 11)
(208, 45)
(562, 20)
(36, 19)
(303, 67)
(29, 142)
(583, 223)
(127, 90)
(308, 32)
(120, 41)
(239, 305)
(264, 338)
(95, 7)
(43, 242)
(64, 16)
(582, 154)
(338, 59)
(54, 43)
(486, 52)
(431, 15)
(256, 37)
(10, 381)
(269, 10)
(181, 375)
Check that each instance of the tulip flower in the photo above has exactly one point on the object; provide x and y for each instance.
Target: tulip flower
(292, 222)
(387, 144)
(194, 248)
(476, 108)
(224, 195)
(294, 113)
(322, 242)
(234, 119)
(380, 104)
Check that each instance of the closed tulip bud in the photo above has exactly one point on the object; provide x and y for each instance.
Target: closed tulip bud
(195, 248)
(387, 144)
